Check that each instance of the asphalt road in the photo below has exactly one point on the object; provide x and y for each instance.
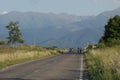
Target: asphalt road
(61, 67)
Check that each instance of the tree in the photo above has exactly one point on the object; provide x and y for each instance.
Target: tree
(14, 33)
(112, 31)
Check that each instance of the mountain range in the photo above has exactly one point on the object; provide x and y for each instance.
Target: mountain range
(61, 30)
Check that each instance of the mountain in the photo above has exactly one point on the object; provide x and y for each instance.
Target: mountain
(62, 30)
(91, 30)
(40, 26)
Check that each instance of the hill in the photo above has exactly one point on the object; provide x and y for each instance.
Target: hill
(91, 30)
(62, 30)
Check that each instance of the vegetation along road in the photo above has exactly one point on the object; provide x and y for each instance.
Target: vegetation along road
(60, 67)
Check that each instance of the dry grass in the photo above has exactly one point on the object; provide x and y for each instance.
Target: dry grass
(104, 64)
(10, 56)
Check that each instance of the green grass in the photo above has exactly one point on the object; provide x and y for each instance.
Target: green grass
(104, 63)
(10, 56)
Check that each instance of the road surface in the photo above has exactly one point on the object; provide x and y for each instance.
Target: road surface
(60, 67)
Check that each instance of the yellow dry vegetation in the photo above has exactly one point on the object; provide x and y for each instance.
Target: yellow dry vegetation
(10, 56)
(104, 64)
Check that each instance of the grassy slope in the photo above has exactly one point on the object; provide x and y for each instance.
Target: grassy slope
(104, 64)
(10, 56)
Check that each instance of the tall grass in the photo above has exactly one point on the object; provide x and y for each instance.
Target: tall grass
(104, 64)
(10, 56)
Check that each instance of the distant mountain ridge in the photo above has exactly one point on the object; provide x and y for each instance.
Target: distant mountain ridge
(62, 30)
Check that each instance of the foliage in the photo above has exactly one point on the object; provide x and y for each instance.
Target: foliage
(101, 45)
(14, 33)
(52, 48)
(112, 32)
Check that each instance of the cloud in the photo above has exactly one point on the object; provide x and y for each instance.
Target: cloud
(4, 12)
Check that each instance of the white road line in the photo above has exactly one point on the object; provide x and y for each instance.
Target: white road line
(81, 67)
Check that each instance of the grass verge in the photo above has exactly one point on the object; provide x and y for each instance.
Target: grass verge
(104, 63)
(10, 56)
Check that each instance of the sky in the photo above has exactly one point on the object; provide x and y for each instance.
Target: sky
(77, 7)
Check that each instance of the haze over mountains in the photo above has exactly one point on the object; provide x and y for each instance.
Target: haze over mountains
(62, 30)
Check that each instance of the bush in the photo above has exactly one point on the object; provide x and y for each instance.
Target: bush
(101, 45)
(2, 42)
(113, 42)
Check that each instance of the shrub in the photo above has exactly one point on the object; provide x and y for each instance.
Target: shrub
(2, 42)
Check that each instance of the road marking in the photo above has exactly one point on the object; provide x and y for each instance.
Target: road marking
(81, 67)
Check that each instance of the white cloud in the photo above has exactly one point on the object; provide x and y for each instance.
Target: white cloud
(4, 12)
